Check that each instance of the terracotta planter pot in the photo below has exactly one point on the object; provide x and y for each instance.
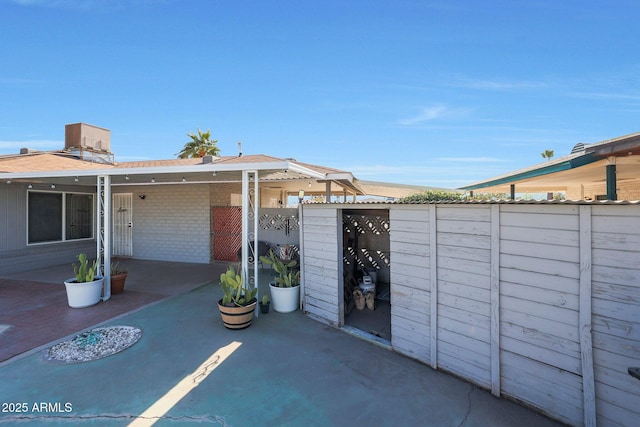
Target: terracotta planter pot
(237, 317)
(117, 283)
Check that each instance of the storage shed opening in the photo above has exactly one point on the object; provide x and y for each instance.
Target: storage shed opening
(366, 258)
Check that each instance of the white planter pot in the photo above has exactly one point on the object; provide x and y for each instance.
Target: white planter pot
(285, 300)
(80, 295)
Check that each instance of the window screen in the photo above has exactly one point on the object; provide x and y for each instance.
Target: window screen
(79, 216)
(45, 217)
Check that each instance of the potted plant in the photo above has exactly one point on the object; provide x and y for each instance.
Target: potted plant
(265, 304)
(85, 289)
(285, 289)
(238, 302)
(118, 278)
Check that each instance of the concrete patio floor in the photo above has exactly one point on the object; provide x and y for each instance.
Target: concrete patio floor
(285, 370)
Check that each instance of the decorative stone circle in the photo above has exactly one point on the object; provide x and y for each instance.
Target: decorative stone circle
(93, 345)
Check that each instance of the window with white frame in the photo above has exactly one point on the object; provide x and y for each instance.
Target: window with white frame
(59, 216)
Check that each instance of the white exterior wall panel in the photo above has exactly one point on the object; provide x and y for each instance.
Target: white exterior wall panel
(464, 285)
(172, 223)
(538, 302)
(616, 312)
(321, 270)
(410, 283)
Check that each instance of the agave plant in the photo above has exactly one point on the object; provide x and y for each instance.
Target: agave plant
(288, 278)
(84, 272)
(235, 293)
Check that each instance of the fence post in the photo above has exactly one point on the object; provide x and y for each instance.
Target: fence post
(585, 297)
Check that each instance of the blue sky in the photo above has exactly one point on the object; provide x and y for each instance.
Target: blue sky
(436, 93)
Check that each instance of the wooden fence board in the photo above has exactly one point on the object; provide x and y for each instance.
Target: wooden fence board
(549, 266)
(544, 311)
(538, 302)
(522, 233)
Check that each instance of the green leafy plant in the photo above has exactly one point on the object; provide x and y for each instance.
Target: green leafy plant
(235, 293)
(433, 196)
(288, 278)
(84, 272)
(116, 269)
(265, 299)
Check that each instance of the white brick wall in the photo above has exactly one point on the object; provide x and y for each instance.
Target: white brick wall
(171, 223)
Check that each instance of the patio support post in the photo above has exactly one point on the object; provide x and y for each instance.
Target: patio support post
(301, 254)
(250, 227)
(328, 191)
(103, 232)
(611, 179)
(513, 191)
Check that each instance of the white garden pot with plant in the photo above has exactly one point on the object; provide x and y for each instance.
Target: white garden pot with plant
(85, 289)
(285, 289)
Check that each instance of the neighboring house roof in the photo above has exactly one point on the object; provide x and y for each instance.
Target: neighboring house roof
(393, 190)
(585, 165)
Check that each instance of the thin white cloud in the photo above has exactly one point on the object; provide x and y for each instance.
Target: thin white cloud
(78, 4)
(493, 85)
(606, 95)
(16, 81)
(435, 112)
(472, 159)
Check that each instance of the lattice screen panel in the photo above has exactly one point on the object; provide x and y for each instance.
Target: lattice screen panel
(366, 242)
(278, 222)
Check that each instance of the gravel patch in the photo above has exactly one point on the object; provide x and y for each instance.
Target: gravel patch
(93, 345)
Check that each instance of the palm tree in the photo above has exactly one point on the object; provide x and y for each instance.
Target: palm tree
(200, 145)
(547, 154)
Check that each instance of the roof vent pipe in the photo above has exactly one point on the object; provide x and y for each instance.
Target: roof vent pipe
(239, 148)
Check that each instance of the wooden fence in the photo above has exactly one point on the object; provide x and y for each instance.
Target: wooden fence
(539, 302)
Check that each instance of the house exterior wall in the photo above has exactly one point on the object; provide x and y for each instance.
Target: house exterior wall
(15, 254)
(230, 194)
(537, 302)
(171, 223)
(627, 190)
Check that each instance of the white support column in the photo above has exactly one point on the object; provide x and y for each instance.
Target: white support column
(301, 257)
(103, 232)
(250, 227)
(256, 207)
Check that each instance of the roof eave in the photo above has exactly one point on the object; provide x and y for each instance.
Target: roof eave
(559, 166)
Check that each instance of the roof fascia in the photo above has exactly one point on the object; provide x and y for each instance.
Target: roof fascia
(572, 163)
(117, 171)
(295, 167)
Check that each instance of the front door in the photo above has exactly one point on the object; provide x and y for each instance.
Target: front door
(122, 215)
